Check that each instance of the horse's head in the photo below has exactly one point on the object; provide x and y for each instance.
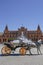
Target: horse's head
(40, 41)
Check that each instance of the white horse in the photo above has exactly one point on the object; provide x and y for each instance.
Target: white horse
(35, 45)
(28, 43)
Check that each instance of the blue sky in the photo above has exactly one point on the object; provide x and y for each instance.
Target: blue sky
(14, 13)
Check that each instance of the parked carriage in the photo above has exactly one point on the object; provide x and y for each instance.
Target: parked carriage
(21, 42)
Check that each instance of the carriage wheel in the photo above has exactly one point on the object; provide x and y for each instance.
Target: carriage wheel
(22, 51)
(5, 50)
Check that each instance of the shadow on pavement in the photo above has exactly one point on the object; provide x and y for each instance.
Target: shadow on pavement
(20, 55)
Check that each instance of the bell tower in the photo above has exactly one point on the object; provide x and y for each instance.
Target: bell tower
(38, 28)
(6, 29)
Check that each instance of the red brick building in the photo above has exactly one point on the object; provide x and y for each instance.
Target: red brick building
(11, 35)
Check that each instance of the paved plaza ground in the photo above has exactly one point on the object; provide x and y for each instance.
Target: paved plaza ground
(23, 60)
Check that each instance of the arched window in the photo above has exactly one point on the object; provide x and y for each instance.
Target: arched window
(0, 40)
(4, 40)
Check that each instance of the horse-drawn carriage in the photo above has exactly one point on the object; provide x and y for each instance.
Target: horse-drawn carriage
(8, 48)
(21, 42)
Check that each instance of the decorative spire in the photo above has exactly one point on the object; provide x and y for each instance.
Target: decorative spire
(38, 28)
(6, 29)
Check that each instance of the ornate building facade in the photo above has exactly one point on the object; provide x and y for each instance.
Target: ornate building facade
(8, 35)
